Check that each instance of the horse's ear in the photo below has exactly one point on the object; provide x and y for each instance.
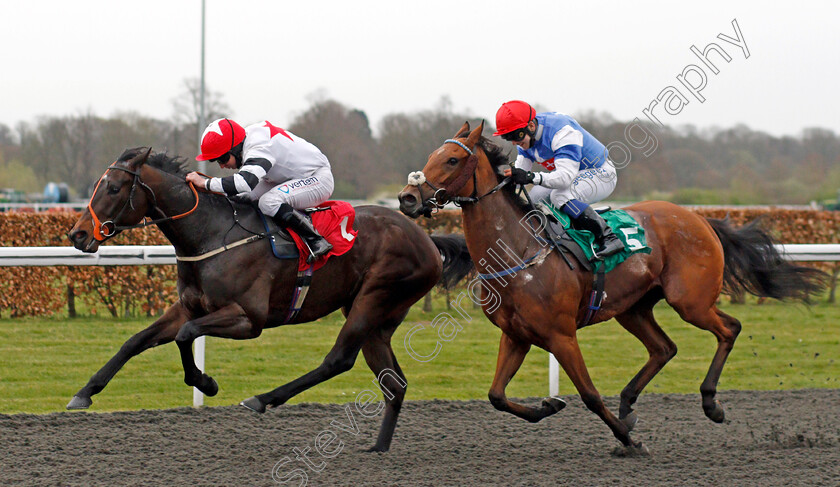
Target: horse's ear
(464, 128)
(475, 135)
(139, 159)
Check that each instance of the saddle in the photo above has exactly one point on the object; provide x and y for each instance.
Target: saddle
(333, 219)
(283, 246)
(625, 227)
(556, 230)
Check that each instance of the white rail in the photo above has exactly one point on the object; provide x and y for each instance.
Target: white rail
(107, 255)
(39, 207)
(810, 252)
(165, 254)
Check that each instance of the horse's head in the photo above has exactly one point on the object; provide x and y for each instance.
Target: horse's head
(119, 199)
(451, 174)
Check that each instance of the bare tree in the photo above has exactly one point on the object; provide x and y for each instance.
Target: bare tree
(408, 139)
(186, 107)
(345, 137)
(6, 135)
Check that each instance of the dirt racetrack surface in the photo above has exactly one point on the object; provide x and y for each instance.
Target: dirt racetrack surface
(769, 439)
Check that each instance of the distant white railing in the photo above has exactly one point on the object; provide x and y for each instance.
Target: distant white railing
(810, 252)
(165, 254)
(38, 207)
(107, 255)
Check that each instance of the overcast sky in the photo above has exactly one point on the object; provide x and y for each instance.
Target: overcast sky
(267, 58)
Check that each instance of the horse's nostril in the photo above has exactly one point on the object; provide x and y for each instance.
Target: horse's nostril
(77, 236)
(408, 199)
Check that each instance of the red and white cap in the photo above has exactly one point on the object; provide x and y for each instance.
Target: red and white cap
(220, 137)
(513, 115)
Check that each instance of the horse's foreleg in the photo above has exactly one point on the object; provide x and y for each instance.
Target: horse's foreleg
(640, 322)
(567, 351)
(511, 355)
(158, 333)
(227, 322)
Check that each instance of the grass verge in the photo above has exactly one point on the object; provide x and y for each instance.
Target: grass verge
(43, 362)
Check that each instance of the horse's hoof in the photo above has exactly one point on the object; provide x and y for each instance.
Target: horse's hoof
(554, 404)
(631, 451)
(630, 420)
(716, 414)
(79, 403)
(208, 386)
(254, 405)
(377, 449)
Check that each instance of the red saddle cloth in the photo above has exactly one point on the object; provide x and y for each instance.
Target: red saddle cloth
(336, 225)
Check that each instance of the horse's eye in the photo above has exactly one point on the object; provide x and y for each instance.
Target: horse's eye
(452, 161)
(113, 189)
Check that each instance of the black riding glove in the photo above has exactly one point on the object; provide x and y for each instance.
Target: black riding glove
(241, 198)
(521, 176)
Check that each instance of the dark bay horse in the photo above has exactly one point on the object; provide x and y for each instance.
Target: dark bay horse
(238, 293)
(692, 260)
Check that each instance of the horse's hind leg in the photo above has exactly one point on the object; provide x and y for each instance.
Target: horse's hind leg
(340, 359)
(381, 360)
(363, 318)
(640, 322)
(726, 330)
(160, 332)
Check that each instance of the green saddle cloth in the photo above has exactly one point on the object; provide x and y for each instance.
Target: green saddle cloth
(623, 225)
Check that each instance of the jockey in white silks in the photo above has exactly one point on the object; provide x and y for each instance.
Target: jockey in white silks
(281, 171)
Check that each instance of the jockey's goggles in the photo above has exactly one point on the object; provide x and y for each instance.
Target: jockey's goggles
(515, 135)
(221, 159)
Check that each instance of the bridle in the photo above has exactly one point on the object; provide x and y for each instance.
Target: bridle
(107, 229)
(441, 195)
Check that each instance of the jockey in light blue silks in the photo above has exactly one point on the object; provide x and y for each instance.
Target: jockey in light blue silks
(579, 171)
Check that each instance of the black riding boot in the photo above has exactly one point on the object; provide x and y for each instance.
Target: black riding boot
(288, 217)
(608, 243)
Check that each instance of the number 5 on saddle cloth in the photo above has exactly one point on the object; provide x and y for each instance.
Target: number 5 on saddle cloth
(631, 234)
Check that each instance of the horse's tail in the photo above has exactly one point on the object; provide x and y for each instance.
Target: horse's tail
(754, 265)
(457, 262)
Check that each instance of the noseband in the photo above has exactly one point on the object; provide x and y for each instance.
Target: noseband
(441, 195)
(107, 229)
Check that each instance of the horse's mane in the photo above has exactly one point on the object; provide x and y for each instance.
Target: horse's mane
(498, 158)
(171, 164)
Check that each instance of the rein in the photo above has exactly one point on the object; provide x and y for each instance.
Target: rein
(536, 259)
(107, 229)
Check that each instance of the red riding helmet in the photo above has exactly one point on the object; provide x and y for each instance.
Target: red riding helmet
(513, 115)
(219, 138)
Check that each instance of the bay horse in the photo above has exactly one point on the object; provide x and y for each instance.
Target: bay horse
(691, 260)
(239, 292)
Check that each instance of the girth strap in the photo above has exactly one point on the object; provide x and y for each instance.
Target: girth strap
(304, 280)
(597, 296)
